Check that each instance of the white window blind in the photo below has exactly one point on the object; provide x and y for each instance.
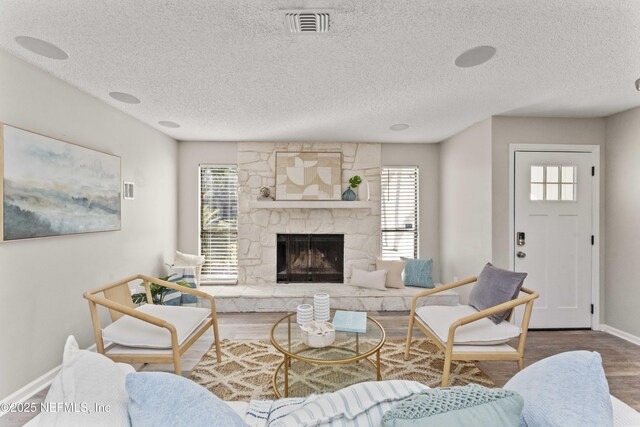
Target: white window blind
(219, 222)
(399, 214)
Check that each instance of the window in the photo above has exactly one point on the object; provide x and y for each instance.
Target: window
(553, 183)
(219, 222)
(399, 214)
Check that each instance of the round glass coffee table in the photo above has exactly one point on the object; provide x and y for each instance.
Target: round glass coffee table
(306, 370)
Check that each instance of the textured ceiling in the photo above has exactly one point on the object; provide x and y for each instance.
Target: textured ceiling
(226, 71)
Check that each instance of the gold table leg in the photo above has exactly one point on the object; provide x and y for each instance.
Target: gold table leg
(287, 360)
(378, 373)
(289, 338)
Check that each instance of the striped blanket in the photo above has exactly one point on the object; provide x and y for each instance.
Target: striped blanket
(361, 404)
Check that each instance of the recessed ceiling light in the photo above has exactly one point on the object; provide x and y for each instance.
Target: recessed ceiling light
(124, 97)
(168, 124)
(638, 84)
(399, 126)
(475, 56)
(41, 47)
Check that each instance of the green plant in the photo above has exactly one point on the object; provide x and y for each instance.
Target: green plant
(354, 181)
(158, 292)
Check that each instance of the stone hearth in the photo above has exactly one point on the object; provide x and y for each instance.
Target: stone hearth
(286, 297)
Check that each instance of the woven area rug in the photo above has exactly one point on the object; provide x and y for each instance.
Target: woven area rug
(247, 367)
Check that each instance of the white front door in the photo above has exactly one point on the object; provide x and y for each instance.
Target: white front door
(553, 241)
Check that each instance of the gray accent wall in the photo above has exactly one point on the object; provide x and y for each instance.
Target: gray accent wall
(465, 203)
(43, 280)
(622, 185)
(192, 154)
(427, 158)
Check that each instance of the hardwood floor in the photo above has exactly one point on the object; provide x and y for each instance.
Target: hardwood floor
(621, 358)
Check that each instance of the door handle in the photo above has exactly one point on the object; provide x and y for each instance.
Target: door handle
(521, 254)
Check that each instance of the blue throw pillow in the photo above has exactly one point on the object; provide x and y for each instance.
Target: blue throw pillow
(417, 272)
(472, 405)
(568, 389)
(159, 399)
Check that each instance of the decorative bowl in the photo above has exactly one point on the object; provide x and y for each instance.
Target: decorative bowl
(318, 334)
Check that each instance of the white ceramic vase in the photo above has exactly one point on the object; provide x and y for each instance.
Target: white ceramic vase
(363, 190)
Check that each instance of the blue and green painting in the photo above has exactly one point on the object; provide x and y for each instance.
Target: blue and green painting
(53, 188)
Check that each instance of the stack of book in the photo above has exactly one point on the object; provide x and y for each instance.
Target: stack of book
(350, 321)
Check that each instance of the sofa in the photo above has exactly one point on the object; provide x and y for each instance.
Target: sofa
(564, 390)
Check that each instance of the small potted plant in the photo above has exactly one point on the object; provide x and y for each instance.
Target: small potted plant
(349, 194)
(158, 292)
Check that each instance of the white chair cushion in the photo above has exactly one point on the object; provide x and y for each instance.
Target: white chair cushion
(481, 332)
(134, 332)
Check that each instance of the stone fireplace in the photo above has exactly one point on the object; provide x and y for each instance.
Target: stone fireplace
(259, 225)
(317, 258)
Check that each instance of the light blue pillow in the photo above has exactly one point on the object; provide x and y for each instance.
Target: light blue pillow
(174, 297)
(159, 399)
(417, 272)
(568, 389)
(472, 405)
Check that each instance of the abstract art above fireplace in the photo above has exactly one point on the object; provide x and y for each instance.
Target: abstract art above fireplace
(308, 176)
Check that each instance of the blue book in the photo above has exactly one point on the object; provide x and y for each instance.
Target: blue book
(350, 321)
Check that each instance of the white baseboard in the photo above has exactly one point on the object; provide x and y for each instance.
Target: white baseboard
(620, 334)
(35, 386)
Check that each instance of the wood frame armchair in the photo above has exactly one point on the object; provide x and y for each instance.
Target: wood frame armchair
(117, 299)
(463, 352)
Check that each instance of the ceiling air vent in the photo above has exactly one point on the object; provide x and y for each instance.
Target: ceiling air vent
(306, 21)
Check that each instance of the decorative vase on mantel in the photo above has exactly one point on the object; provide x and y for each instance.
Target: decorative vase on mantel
(349, 195)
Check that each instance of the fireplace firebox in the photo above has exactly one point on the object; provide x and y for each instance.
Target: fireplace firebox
(310, 258)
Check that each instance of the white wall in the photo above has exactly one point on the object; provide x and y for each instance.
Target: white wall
(191, 154)
(465, 202)
(43, 280)
(426, 157)
(622, 291)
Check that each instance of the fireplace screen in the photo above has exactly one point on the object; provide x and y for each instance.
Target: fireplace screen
(310, 258)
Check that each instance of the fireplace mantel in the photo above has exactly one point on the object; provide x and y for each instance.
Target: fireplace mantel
(311, 204)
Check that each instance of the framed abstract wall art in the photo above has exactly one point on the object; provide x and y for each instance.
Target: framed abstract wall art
(54, 188)
(308, 176)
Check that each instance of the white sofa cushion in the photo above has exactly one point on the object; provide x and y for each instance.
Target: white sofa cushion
(481, 332)
(87, 379)
(133, 332)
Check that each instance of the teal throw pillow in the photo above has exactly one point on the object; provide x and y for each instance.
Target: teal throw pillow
(472, 405)
(417, 272)
(159, 399)
(567, 389)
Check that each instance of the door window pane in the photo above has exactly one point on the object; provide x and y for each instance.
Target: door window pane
(552, 192)
(568, 174)
(553, 183)
(568, 192)
(537, 174)
(537, 191)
